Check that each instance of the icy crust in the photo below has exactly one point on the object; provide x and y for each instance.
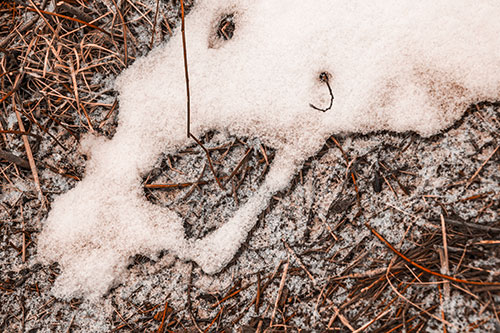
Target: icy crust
(396, 65)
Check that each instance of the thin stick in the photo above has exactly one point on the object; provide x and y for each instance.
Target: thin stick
(215, 318)
(264, 153)
(186, 73)
(188, 98)
(113, 107)
(124, 29)
(299, 261)
(77, 95)
(209, 160)
(280, 291)
(17, 83)
(154, 24)
(324, 78)
(380, 315)
(257, 297)
(160, 329)
(441, 301)
(24, 234)
(343, 319)
(341, 150)
(227, 297)
(35, 9)
(71, 323)
(481, 167)
(31, 160)
(242, 161)
(189, 305)
(123, 319)
(181, 185)
(445, 266)
(196, 184)
(411, 262)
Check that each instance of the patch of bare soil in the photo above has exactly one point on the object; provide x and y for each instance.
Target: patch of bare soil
(381, 232)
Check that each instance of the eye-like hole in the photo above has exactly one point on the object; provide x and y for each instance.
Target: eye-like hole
(223, 29)
(226, 27)
(324, 76)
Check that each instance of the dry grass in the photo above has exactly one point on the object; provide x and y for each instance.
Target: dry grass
(56, 67)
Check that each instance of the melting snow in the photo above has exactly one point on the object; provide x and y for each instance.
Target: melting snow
(396, 65)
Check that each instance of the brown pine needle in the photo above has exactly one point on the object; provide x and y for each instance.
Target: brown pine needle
(186, 72)
(411, 262)
(292, 252)
(257, 297)
(24, 236)
(89, 122)
(21, 133)
(154, 24)
(160, 186)
(31, 160)
(188, 99)
(280, 291)
(235, 171)
(113, 107)
(37, 10)
(160, 329)
(14, 89)
(477, 196)
(124, 29)
(341, 150)
(264, 154)
(209, 161)
(214, 320)
(445, 266)
(227, 297)
(482, 166)
(442, 308)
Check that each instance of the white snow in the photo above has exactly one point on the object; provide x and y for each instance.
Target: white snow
(397, 65)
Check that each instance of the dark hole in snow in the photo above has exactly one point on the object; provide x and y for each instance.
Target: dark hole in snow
(324, 76)
(226, 27)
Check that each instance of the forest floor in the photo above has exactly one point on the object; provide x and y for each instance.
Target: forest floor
(320, 256)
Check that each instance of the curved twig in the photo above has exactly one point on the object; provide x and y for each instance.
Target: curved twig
(324, 78)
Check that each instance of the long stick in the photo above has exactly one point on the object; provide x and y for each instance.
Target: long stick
(188, 100)
(186, 74)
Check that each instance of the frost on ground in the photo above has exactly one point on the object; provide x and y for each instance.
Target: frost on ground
(404, 182)
(396, 65)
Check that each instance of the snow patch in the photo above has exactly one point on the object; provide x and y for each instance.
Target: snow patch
(395, 65)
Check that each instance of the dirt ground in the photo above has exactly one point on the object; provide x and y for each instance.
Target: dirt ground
(356, 243)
